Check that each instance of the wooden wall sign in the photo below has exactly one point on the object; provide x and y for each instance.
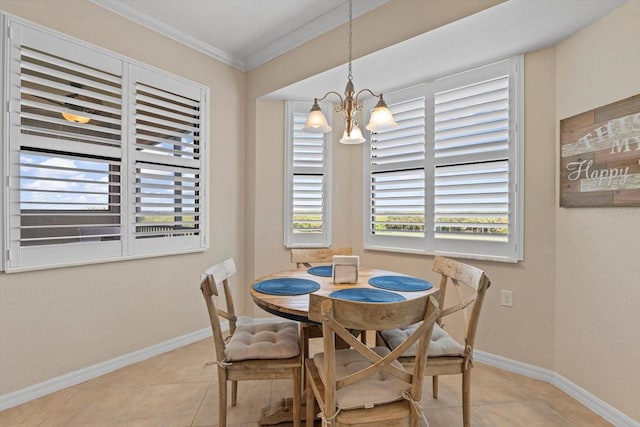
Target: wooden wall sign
(600, 156)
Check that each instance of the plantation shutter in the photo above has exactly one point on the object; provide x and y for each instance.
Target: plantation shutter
(396, 176)
(472, 201)
(474, 161)
(307, 162)
(167, 185)
(65, 187)
(471, 161)
(106, 157)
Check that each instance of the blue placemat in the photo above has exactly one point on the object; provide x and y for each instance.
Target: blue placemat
(321, 270)
(367, 295)
(286, 286)
(400, 283)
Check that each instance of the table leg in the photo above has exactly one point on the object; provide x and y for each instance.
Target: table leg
(282, 412)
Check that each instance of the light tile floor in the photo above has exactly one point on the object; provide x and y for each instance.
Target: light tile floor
(178, 389)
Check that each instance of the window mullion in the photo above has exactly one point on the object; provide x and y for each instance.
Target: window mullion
(429, 166)
(128, 158)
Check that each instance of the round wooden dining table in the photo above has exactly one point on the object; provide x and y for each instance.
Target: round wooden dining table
(296, 307)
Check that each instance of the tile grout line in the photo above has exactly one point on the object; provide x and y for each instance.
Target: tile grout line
(195, 415)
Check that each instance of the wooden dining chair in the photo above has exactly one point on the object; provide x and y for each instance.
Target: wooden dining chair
(362, 385)
(306, 257)
(446, 356)
(254, 349)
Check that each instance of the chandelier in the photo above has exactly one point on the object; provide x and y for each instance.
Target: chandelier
(381, 118)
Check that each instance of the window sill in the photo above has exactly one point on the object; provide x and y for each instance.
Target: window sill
(447, 254)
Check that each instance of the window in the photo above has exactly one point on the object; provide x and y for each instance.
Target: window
(447, 179)
(307, 182)
(106, 156)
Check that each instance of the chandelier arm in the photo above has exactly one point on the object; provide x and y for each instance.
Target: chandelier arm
(329, 93)
(367, 90)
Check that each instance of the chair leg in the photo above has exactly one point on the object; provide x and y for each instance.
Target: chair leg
(363, 337)
(466, 398)
(305, 342)
(379, 341)
(310, 403)
(297, 395)
(222, 397)
(434, 386)
(234, 393)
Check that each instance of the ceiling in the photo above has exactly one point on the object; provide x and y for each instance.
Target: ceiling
(241, 33)
(510, 28)
(247, 33)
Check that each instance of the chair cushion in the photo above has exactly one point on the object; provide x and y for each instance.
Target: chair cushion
(441, 342)
(376, 389)
(262, 340)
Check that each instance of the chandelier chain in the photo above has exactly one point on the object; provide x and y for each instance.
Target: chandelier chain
(350, 35)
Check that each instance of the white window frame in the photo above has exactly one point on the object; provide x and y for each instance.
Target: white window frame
(124, 244)
(511, 251)
(4, 129)
(305, 240)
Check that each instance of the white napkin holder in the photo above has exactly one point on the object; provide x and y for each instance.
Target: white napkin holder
(345, 268)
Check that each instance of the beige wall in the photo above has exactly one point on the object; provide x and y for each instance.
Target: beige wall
(597, 268)
(58, 321)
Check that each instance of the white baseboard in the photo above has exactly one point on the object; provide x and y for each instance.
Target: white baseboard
(601, 408)
(35, 391)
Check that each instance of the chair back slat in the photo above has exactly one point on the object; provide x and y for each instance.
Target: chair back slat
(223, 270)
(305, 256)
(467, 274)
(370, 316)
(219, 275)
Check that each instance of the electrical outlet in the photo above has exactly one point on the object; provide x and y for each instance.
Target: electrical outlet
(506, 298)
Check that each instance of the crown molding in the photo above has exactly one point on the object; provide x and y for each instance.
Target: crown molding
(135, 15)
(291, 40)
(297, 37)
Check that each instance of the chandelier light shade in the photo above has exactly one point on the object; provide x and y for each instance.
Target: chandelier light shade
(75, 118)
(316, 121)
(355, 137)
(71, 115)
(381, 117)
